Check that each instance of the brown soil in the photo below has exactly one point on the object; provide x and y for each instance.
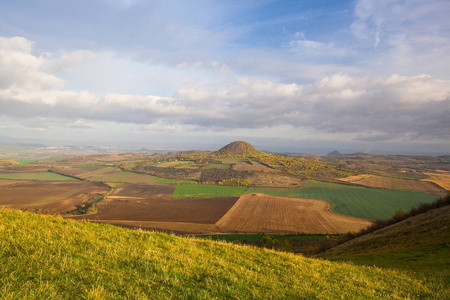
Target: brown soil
(254, 213)
(49, 197)
(140, 202)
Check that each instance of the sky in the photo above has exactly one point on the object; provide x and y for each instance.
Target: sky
(292, 76)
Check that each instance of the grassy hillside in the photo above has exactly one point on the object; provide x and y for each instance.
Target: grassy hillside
(420, 244)
(53, 258)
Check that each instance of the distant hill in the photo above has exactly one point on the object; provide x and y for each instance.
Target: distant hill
(335, 152)
(238, 148)
(420, 244)
(54, 258)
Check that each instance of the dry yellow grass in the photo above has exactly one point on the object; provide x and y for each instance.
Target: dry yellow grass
(256, 212)
(442, 179)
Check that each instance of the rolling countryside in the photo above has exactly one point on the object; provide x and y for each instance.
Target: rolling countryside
(236, 194)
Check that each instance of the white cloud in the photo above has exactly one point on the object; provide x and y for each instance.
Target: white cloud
(367, 108)
(19, 67)
(314, 48)
(69, 60)
(408, 37)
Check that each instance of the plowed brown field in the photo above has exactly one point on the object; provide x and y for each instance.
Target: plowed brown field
(254, 213)
(153, 203)
(49, 197)
(393, 183)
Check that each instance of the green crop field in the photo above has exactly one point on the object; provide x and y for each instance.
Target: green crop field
(372, 204)
(160, 180)
(218, 166)
(207, 191)
(45, 176)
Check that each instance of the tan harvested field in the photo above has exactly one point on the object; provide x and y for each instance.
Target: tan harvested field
(442, 179)
(153, 203)
(99, 172)
(253, 166)
(50, 196)
(9, 182)
(75, 171)
(394, 183)
(31, 169)
(255, 213)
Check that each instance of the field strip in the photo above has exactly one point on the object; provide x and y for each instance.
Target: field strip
(254, 213)
(125, 197)
(180, 227)
(441, 179)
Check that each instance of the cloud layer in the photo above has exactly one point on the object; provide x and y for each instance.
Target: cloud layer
(368, 72)
(371, 108)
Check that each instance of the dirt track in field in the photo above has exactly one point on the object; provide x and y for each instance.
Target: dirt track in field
(153, 203)
(49, 196)
(254, 213)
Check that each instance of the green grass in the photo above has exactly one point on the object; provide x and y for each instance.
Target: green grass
(207, 191)
(420, 245)
(46, 257)
(160, 180)
(372, 204)
(218, 166)
(46, 176)
(31, 161)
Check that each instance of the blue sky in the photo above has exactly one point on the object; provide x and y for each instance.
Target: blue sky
(285, 75)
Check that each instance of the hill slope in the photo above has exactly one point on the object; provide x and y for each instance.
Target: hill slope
(238, 148)
(420, 244)
(53, 258)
